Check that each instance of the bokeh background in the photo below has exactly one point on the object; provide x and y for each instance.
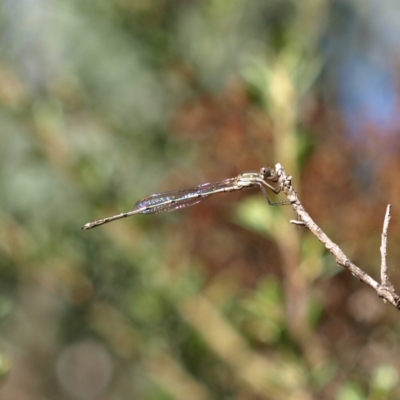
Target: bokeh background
(104, 102)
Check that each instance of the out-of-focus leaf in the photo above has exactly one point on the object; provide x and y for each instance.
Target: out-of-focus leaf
(256, 214)
(350, 391)
(384, 379)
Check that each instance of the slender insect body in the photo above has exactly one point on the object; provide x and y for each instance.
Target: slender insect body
(175, 200)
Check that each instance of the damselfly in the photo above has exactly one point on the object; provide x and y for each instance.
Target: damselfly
(174, 200)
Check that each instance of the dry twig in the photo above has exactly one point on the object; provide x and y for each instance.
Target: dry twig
(385, 290)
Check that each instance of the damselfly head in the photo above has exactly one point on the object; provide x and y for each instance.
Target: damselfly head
(269, 173)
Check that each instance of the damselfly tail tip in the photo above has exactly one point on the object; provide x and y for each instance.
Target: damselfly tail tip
(86, 226)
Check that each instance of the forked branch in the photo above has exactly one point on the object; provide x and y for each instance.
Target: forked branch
(385, 290)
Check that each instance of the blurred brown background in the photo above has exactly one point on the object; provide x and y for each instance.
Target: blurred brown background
(102, 103)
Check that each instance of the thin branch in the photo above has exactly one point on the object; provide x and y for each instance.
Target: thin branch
(384, 290)
(384, 274)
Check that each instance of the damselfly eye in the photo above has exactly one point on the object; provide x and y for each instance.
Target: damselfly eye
(266, 172)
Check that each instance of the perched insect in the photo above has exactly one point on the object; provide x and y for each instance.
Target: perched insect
(174, 200)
